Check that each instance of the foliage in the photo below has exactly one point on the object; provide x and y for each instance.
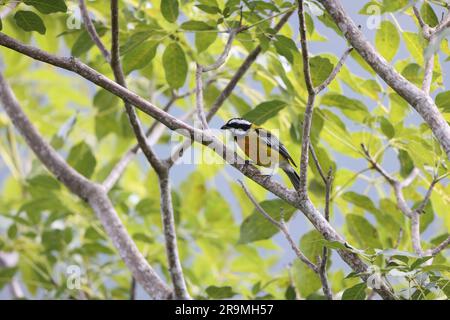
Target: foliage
(227, 248)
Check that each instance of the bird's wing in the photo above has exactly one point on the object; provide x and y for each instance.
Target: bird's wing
(273, 142)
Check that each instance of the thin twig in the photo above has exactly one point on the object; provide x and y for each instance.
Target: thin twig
(170, 236)
(104, 208)
(305, 50)
(312, 93)
(120, 79)
(324, 259)
(317, 163)
(281, 225)
(443, 245)
(203, 69)
(226, 92)
(90, 28)
(224, 56)
(335, 71)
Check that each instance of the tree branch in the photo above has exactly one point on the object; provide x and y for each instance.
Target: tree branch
(199, 97)
(420, 101)
(226, 92)
(168, 222)
(90, 28)
(413, 215)
(94, 194)
(324, 260)
(444, 244)
(304, 204)
(152, 136)
(335, 71)
(176, 272)
(281, 225)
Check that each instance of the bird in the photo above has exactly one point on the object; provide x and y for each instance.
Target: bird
(262, 147)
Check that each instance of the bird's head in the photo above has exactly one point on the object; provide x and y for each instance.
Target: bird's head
(237, 126)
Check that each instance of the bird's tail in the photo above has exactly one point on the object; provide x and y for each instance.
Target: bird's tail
(293, 176)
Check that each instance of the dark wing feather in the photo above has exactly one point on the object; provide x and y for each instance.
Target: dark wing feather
(273, 142)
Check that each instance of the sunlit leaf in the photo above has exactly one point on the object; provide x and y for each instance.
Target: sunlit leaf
(175, 65)
(170, 10)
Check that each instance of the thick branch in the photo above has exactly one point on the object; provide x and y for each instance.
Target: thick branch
(304, 204)
(89, 191)
(420, 101)
(176, 272)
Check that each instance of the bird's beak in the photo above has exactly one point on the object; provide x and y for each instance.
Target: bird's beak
(224, 127)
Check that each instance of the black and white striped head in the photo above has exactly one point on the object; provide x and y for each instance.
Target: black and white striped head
(237, 126)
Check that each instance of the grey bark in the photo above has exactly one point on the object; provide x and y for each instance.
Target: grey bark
(94, 194)
(417, 98)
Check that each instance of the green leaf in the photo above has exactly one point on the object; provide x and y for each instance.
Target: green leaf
(1, 25)
(290, 293)
(47, 6)
(220, 292)
(394, 5)
(29, 21)
(335, 245)
(415, 45)
(357, 292)
(406, 163)
(204, 39)
(436, 267)
(175, 65)
(360, 200)
(84, 42)
(387, 128)
(306, 280)
(12, 231)
(82, 159)
(443, 101)
(428, 15)
(387, 40)
(194, 25)
(264, 111)
(362, 231)
(208, 9)
(142, 237)
(44, 181)
(256, 227)
(285, 46)
(414, 73)
(352, 108)
(6, 275)
(170, 10)
(140, 56)
(321, 68)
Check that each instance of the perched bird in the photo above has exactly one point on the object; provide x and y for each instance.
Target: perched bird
(263, 148)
